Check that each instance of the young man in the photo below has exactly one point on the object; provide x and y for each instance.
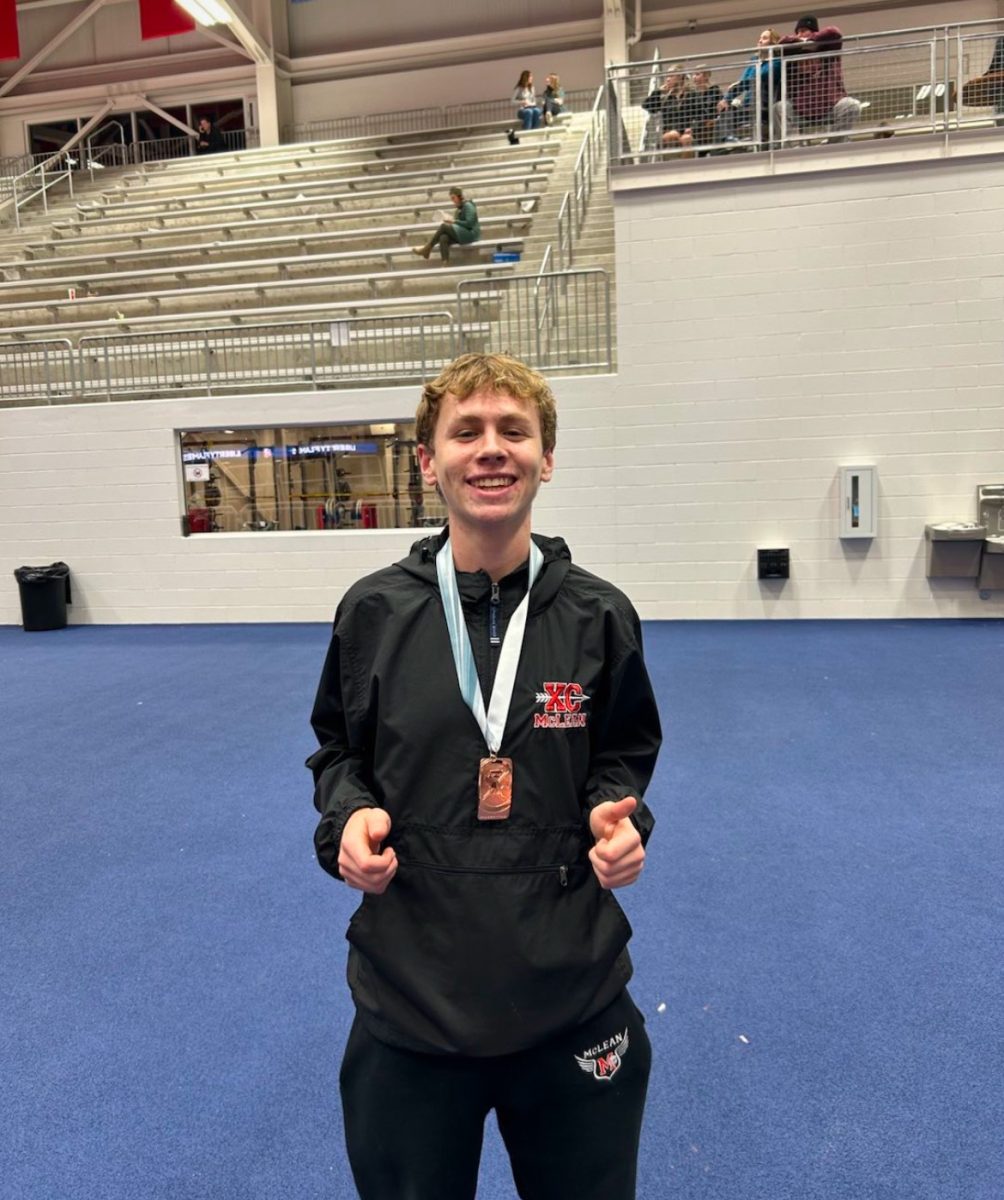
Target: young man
(487, 731)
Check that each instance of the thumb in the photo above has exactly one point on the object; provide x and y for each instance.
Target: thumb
(377, 827)
(616, 811)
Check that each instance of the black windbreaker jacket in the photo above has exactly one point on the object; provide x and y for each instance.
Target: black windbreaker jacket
(492, 936)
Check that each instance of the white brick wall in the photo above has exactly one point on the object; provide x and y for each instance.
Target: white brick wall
(769, 332)
(772, 330)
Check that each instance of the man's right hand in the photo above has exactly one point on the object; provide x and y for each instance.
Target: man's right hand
(360, 861)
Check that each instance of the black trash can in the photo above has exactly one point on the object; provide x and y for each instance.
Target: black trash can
(45, 593)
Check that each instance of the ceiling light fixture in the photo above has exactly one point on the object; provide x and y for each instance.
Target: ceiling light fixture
(206, 12)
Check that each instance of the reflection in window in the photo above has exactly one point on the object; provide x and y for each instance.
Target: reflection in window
(362, 476)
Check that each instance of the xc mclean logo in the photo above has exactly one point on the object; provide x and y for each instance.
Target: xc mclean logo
(562, 706)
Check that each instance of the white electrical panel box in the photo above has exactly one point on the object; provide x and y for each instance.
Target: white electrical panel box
(858, 502)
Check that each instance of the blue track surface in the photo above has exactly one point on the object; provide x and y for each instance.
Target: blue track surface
(821, 917)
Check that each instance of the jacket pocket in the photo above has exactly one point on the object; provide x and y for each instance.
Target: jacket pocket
(484, 960)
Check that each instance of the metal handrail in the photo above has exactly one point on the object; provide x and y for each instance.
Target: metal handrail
(564, 231)
(122, 137)
(38, 174)
(572, 211)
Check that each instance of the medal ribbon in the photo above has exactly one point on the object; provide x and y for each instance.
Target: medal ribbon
(492, 724)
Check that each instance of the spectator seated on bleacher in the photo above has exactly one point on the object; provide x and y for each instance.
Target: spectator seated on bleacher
(816, 97)
(736, 108)
(553, 99)
(462, 227)
(525, 100)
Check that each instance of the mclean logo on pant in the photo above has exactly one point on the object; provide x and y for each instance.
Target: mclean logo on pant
(562, 706)
(604, 1061)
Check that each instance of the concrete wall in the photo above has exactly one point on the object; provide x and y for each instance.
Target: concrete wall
(491, 79)
(770, 331)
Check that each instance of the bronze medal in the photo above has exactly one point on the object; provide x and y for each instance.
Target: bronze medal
(494, 789)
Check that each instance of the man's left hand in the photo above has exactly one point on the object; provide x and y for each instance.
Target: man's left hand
(618, 855)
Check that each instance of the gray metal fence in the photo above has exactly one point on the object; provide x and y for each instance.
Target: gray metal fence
(927, 80)
(558, 321)
(302, 354)
(111, 154)
(555, 320)
(40, 372)
(183, 146)
(421, 120)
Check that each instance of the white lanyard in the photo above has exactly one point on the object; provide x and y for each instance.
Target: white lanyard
(493, 725)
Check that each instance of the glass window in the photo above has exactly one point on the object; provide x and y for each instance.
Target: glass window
(361, 476)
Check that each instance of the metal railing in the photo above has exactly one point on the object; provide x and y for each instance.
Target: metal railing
(929, 80)
(416, 120)
(554, 319)
(558, 321)
(37, 182)
(183, 146)
(590, 161)
(421, 120)
(297, 354)
(42, 371)
(302, 354)
(118, 153)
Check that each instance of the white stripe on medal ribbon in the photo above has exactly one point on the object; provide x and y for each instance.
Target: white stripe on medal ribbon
(492, 726)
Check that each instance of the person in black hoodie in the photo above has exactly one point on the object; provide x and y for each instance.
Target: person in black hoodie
(210, 140)
(488, 960)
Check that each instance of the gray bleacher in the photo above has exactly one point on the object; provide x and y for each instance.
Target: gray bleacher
(145, 264)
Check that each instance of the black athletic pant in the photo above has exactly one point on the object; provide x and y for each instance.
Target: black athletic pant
(414, 1122)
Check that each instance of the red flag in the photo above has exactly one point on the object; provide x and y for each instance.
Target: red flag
(9, 45)
(162, 18)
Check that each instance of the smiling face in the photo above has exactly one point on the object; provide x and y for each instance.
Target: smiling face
(488, 460)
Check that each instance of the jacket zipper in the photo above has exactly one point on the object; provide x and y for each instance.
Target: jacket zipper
(561, 868)
(494, 613)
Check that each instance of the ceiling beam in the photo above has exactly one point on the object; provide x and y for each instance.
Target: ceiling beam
(246, 33)
(67, 31)
(144, 102)
(223, 40)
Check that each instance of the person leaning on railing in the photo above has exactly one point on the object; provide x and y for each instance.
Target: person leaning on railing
(461, 227)
(815, 92)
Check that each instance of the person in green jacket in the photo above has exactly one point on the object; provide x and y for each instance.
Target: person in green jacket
(462, 227)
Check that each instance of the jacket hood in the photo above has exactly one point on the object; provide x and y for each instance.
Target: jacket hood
(421, 563)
